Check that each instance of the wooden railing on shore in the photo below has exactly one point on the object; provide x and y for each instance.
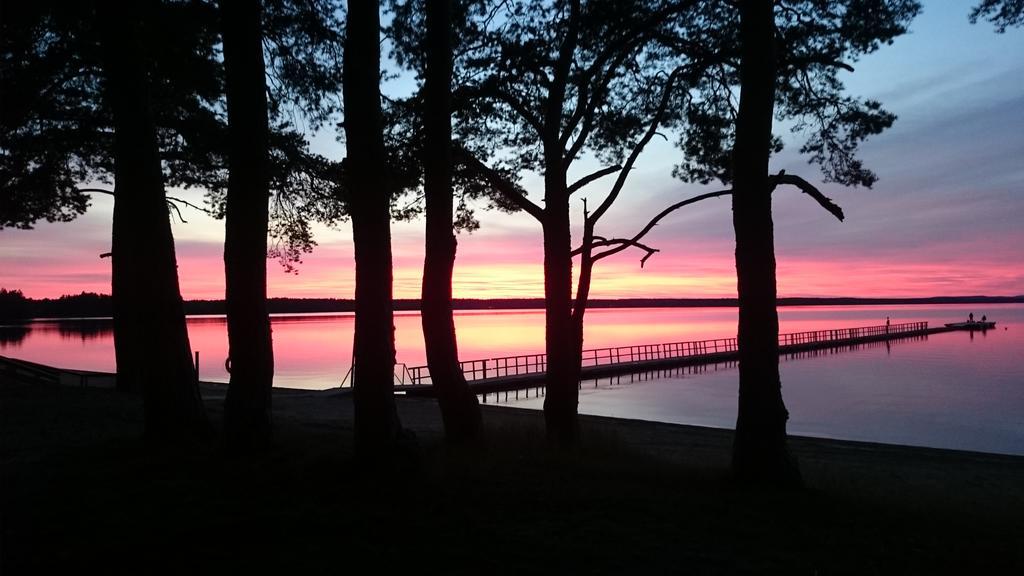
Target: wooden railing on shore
(508, 366)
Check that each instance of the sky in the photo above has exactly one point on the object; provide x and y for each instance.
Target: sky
(945, 218)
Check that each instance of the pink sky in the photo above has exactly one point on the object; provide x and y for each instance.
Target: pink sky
(946, 217)
(505, 261)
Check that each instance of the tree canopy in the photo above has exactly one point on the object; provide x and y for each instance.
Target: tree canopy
(816, 41)
(1002, 13)
(55, 128)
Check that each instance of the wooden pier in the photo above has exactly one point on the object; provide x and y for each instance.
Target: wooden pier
(23, 371)
(526, 372)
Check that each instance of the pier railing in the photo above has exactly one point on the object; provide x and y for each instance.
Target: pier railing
(843, 334)
(507, 366)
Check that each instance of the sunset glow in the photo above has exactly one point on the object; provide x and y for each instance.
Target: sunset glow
(944, 218)
(512, 267)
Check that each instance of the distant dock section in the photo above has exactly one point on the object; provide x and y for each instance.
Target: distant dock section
(525, 372)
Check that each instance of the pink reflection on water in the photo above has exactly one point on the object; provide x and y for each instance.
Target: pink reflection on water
(314, 350)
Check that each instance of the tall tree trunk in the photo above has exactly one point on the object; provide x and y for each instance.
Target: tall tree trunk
(459, 409)
(247, 407)
(376, 421)
(563, 363)
(149, 319)
(759, 450)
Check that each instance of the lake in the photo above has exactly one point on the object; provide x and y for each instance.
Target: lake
(955, 390)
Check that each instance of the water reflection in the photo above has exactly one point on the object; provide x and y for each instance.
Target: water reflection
(83, 331)
(11, 336)
(86, 330)
(951, 390)
(314, 350)
(955, 390)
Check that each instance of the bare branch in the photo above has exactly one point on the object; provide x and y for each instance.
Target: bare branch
(575, 186)
(172, 199)
(616, 245)
(621, 245)
(490, 90)
(170, 202)
(507, 189)
(809, 189)
(96, 190)
(584, 117)
(178, 211)
(666, 97)
(800, 62)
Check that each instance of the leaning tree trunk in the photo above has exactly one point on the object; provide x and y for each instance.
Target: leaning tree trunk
(563, 369)
(759, 450)
(148, 311)
(459, 409)
(247, 407)
(376, 421)
(579, 309)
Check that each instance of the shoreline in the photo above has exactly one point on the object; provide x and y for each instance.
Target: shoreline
(284, 307)
(214, 392)
(81, 490)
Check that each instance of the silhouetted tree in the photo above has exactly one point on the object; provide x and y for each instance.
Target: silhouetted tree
(302, 41)
(13, 305)
(65, 128)
(247, 406)
(784, 57)
(56, 132)
(760, 445)
(1002, 13)
(42, 162)
(567, 80)
(426, 39)
(377, 429)
(151, 342)
(459, 409)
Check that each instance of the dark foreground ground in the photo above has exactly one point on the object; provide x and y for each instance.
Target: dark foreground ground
(79, 493)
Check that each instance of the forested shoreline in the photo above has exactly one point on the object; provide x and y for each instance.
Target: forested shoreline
(14, 306)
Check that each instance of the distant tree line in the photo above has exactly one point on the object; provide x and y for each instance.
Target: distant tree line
(16, 307)
(129, 98)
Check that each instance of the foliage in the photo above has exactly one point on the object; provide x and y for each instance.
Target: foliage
(13, 305)
(816, 41)
(55, 129)
(1003, 13)
(608, 95)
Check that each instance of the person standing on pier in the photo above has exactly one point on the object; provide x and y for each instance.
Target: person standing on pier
(970, 317)
(886, 324)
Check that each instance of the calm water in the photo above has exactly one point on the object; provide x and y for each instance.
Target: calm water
(950, 390)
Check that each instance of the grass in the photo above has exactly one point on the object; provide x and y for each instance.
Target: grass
(79, 492)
